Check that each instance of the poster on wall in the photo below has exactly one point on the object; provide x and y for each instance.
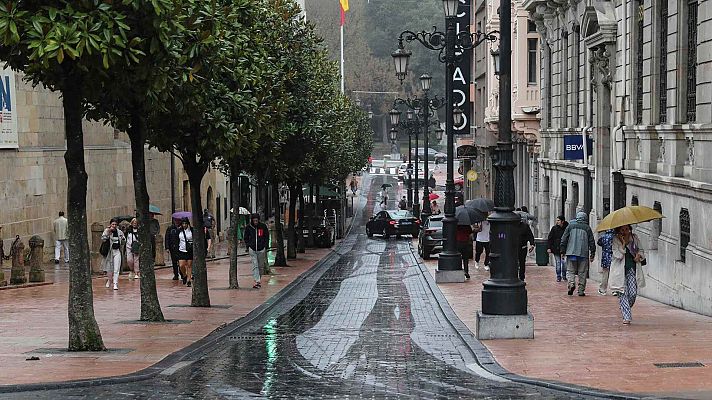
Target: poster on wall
(8, 110)
(462, 77)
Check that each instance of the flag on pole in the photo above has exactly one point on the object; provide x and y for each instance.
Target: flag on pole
(344, 8)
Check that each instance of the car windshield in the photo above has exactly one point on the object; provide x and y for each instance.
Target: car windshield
(435, 223)
(400, 214)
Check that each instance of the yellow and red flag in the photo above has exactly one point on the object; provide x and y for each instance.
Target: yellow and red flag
(344, 8)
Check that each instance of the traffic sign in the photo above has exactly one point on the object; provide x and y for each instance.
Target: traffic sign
(472, 175)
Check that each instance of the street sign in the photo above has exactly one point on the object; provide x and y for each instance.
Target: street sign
(466, 151)
(462, 76)
(472, 175)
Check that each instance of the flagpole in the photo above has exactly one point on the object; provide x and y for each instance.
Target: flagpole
(342, 55)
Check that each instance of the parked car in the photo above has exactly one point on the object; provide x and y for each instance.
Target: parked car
(433, 155)
(393, 222)
(324, 234)
(430, 240)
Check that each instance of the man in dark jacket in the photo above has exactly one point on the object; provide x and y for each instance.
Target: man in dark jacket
(579, 246)
(554, 246)
(526, 245)
(256, 238)
(171, 243)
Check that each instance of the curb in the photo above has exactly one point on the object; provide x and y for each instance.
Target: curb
(220, 333)
(486, 360)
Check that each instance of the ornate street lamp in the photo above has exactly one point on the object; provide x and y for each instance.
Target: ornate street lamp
(370, 114)
(395, 116)
(439, 133)
(394, 134)
(495, 59)
(450, 46)
(425, 82)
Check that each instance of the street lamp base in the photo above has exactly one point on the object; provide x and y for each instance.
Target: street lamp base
(449, 276)
(416, 210)
(450, 262)
(504, 297)
(504, 326)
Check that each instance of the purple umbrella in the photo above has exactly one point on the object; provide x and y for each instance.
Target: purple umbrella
(182, 214)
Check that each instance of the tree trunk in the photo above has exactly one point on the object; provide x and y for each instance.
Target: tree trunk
(279, 259)
(301, 244)
(84, 334)
(196, 171)
(234, 222)
(150, 306)
(291, 233)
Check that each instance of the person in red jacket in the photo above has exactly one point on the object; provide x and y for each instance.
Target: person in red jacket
(463, 240)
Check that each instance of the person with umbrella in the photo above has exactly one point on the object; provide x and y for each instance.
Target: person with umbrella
(626, 274)
(185, 251)
(466, 217)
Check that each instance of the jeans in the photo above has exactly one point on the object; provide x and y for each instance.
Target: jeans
(132, 261)
(58, 245)
(479, 248)
(174, 262)
(259, 259)
(578, 267)
(560, 267)
(603, 287)
(115, 265)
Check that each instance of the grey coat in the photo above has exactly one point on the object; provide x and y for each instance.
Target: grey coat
(577, 239)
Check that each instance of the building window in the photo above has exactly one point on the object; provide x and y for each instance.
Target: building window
(549, 86)
(662, 82)
(531, 26)
(692, 61)
(576, 75)
(565, 78)
(634, 201)
(531, 61)
(639, 65)
(684, 232)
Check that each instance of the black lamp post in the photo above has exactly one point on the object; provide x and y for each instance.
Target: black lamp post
(504, 293)
(450, 45)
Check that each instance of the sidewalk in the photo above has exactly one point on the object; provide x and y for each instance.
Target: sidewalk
(582, 341)
(33, 322)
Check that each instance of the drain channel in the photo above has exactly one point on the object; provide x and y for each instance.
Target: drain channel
(680, 365)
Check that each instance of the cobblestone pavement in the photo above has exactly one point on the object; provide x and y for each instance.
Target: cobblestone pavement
(367, 326)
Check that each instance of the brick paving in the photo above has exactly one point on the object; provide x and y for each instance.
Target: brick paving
(582, 341)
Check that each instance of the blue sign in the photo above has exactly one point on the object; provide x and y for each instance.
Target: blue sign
(573, 147)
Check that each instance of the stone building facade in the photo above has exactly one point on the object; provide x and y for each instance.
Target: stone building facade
(525, 99)
(636, 76)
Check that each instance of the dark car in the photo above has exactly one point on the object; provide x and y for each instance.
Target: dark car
(430, 240)
(324, 235)
(393, 222)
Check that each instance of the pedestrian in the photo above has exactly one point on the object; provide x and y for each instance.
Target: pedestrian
(626, 270)
(208, 240)
(112, 260)
(431, 181)
(185, 251)
(434, 207)
(463, 240)
(482, 244)
(171, 243)
(353, 185)
(402, 204)
(579, 247)
(2, 248)
(554, 246)
(526, 245)
(60, 238)
(256, 238)
(378, 208)
(606, 243)
(208, 219)
(133, 248)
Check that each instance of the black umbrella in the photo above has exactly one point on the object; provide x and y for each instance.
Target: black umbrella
(468, 216)
(482, 205)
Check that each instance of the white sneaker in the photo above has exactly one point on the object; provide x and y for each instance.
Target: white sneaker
(486, 267)
(116, 286)
(601, 292)
(136, 276)
(108, 282)
(477, 265)
(131, 275)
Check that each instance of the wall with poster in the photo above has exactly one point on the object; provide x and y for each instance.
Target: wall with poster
(8, 110)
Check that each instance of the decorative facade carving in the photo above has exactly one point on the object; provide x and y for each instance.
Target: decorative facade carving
(639, 147)
(690, 152)
(661, 151)
(601, 59)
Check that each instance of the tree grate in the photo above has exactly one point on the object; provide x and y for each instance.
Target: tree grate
(680, 365)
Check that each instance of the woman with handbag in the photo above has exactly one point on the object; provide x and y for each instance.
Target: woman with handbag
(185, 251)
(626, 274)
(133, 248)
(112, 238)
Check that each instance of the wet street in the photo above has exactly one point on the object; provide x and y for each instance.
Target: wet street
(363, 324)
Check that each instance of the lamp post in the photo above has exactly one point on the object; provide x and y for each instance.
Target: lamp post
(450, 45)
(415, 124)
(504, 293)
(406, 126)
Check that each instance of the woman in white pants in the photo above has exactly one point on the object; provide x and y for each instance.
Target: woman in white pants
(112, 261)
(132, 249)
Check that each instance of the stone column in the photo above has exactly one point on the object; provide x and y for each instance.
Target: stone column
(96, 230)
(36, 255)
(160, 258)
(17, 274)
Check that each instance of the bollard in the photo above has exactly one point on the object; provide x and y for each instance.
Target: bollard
(17, 273)
(160, 256)
(36, 255)
(96, 259)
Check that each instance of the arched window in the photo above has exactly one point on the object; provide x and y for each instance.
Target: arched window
(684, 232)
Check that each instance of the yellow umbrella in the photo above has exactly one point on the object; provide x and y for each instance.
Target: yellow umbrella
(628, 216)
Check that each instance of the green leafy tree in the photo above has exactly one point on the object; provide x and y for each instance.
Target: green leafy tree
(64, 45)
